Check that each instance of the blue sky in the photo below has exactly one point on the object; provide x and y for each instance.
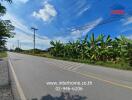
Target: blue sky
(60, 19)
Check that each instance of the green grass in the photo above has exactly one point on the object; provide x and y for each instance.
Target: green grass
(119, 65)
(39, 54)
(3, 54)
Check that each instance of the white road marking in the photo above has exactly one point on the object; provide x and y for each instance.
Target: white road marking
(20, 91)
(70, 68)
(75, 68)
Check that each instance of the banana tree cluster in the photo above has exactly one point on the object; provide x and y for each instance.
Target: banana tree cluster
(101, 48)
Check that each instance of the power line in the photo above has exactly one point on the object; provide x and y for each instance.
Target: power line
(108, 20)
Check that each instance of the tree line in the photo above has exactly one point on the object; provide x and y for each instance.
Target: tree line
(6, 28)
(103, 48)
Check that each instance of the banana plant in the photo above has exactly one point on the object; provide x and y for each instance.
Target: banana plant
(57, 49)
(99, 48)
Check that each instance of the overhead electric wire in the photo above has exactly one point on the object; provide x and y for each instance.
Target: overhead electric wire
(108, 20)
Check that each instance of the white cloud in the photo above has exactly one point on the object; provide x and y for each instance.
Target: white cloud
(129, 37)
(85, 29)
(17, 22)
(77, 33)
(128, 21)
(92, 25)
(20, 1)
(24, 34)
(47, 13)
(26, 41)
(84, 10)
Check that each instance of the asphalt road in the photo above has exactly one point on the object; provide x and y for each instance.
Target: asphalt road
(48, 78)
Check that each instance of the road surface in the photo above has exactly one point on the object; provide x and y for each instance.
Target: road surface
(44, 78)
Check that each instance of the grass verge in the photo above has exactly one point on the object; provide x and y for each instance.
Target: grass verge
(3, 54)
(119, 65)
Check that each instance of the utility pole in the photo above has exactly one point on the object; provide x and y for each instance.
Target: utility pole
(34, 30)
(13, 46)
(18, 46)
(18, 43)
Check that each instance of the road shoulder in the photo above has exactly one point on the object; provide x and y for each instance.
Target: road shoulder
(5, 83)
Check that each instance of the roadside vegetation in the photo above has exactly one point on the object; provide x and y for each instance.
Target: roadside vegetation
(3, 54)
(36, 52)
(6, 29)
(103, 50)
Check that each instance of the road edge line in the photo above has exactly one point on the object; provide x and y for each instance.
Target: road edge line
(19, 89)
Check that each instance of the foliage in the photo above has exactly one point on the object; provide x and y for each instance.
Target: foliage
(18, 49)
(95, 49)
(2, 8)
(6, 27)
(130, 53)
(3, 54)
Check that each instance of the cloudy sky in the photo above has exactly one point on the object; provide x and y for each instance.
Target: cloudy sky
(65, 20)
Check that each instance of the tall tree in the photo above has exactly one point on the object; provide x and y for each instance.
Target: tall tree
(6, 28)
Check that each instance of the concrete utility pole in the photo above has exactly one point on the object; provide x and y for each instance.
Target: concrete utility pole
(13, 46)
(18, 43)
(34, 30)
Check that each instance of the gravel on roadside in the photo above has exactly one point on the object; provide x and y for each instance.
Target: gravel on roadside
(5, 85)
